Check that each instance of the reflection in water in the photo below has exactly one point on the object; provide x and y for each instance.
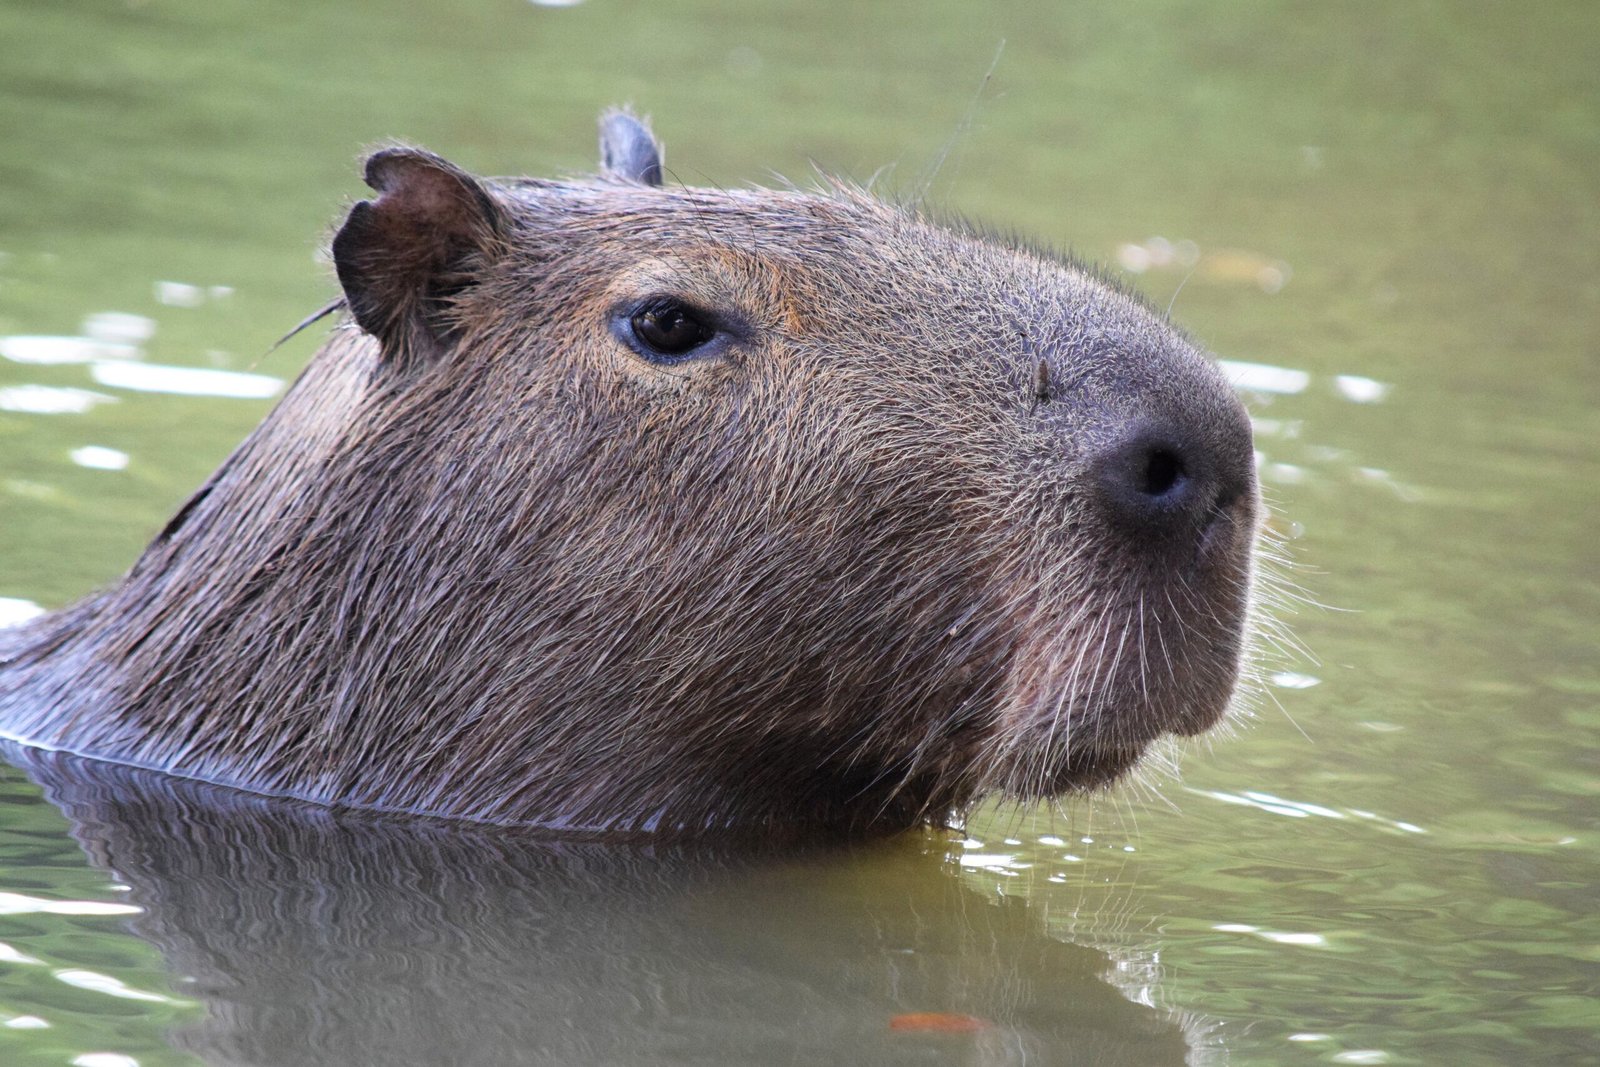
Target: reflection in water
(1264, 378)
(14, 610)
(1228, 265)
(313, 937)
(50, 400)
(99, 457)
(48, 351)
(111, 345)
(1300, 809)
(184, 381)
(1360, 388)
(119, 326)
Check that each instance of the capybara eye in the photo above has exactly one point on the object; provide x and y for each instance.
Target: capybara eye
(668, 330)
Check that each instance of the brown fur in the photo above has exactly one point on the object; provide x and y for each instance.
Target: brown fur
(848, 573)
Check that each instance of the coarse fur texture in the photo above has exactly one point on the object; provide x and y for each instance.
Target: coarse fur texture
(929, 516)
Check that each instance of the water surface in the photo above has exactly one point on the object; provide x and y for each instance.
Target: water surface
(1383, 217)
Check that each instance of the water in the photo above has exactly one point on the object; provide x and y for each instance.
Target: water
(1384, 216)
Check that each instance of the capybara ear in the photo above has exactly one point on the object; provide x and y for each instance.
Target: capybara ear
(629, 152)
(403, 256)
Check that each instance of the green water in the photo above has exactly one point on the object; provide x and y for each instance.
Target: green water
(1393, 861)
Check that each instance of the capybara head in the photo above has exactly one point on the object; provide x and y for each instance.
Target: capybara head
(617, 506)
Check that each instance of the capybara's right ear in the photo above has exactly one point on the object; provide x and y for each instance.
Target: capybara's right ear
(629, 152)
(402, 257)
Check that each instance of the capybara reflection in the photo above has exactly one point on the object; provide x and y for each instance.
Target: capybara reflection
(618, 507)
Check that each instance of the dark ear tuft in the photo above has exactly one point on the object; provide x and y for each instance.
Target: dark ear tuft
(629, 152)
(402, 256)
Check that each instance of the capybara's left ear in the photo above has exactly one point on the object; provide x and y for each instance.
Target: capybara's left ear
(402, 257)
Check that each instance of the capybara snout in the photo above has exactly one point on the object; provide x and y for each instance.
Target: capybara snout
(619, 506)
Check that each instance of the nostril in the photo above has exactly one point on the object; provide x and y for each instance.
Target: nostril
(1156, 479)
(1167, 477)
(1163, 473)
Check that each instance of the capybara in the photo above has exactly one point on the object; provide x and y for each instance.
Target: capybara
(616, 507)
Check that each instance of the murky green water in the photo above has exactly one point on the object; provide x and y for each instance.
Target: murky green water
(1391, 210)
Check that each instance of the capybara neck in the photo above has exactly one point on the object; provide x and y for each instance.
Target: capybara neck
(610, 507)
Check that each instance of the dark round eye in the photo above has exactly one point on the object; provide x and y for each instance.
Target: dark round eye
(668, 329)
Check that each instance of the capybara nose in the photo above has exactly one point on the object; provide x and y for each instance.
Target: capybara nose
(1167, 480)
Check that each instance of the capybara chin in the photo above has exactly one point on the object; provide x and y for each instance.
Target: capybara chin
(614, 507)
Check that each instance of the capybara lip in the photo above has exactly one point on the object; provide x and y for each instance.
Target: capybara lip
(1087, 769)
(611, 506)
(1100, 767)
